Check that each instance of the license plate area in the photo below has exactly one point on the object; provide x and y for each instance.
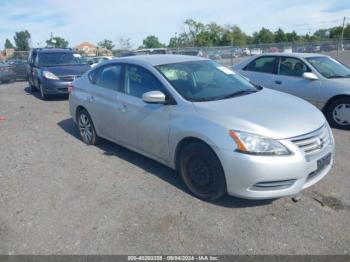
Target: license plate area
(321, 164)
(324, 161)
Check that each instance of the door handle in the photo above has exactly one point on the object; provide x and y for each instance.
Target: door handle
(123, 108)
(278, 82)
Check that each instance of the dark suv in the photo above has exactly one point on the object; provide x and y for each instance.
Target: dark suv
(50, 70)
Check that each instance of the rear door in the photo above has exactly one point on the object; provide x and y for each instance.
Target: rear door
(102, 101)
(261, 70)
(289, 79)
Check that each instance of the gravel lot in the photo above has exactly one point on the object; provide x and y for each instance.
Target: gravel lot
(59, 196)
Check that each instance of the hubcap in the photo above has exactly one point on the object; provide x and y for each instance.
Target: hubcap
(85, 128)
(341, 114)
(200, 173)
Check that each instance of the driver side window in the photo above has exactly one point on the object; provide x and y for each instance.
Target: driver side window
(292, 67)
(139, 81)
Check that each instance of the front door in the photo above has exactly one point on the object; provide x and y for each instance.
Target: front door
(143, 126)
(290, 79)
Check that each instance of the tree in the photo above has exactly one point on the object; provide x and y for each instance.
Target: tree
(8, 44)
(280, 36)
(57, 42)
(292, 37)
(22, 40)
(108, 44)
(233, 35)
(152, 41)
(123, 43)
(264, 36)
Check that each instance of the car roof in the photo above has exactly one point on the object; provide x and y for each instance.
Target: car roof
(53, 50)
(302, 55)
(155, 60)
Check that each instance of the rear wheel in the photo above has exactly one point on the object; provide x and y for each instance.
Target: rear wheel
(338, 113)
(86, 128)
(202, 172)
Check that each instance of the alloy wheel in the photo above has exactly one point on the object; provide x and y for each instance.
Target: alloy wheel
(85, 128)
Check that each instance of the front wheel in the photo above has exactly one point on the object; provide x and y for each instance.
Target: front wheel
(86, 128)
(31, 86)
(42, 93)
(202, 172)
(338, 113)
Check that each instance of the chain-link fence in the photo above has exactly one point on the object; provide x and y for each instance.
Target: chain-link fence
(229, 55)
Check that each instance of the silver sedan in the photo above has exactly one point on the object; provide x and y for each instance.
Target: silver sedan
(222, 133)
(319, 79)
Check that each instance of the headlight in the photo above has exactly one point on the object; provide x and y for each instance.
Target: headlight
(49, 75)
(258, 145)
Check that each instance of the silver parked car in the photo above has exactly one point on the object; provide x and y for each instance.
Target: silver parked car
(222, 133)
(319, 79)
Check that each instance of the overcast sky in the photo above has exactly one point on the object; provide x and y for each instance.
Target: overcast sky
(94, 20)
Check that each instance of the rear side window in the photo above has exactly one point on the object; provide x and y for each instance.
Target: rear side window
(264, 64)
(138, 81)
(107, 76)
(290, 66)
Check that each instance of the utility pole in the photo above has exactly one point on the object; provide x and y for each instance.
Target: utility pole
(341, 38)
(342, 33)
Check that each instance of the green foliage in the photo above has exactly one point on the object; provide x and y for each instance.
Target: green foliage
(280, 36)
(22, 40)
(57, 42)
(152, 41)
(108, 44)
(264, 36)
(8, 44)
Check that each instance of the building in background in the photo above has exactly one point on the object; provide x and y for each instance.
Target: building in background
(86, 49)
(6, 54)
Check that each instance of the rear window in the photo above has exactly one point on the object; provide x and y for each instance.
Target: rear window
(264, 64)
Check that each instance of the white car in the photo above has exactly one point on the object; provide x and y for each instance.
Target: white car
(319, 79)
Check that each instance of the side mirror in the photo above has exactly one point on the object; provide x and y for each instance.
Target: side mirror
(310, 76)
(90, 62)
(153, 97)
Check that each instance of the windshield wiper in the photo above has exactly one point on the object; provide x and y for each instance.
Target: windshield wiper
(239, 93)
(337, 76)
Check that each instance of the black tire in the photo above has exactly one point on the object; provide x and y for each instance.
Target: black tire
(334, 116)
(32, 87)
(42, 93)
(86, 128)
(202, 172)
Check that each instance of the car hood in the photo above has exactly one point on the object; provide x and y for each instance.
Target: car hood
(68, 70)
(267, 112)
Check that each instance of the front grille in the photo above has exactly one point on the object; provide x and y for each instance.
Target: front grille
(313, 142)
(68, 78)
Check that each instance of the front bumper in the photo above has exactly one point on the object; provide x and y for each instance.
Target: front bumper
(256, 177)
(55, 87)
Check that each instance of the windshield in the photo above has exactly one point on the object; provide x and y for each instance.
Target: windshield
(205, 81)
(328, 67)
(58, 59)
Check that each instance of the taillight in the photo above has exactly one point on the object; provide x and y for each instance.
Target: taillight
(70, 88)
